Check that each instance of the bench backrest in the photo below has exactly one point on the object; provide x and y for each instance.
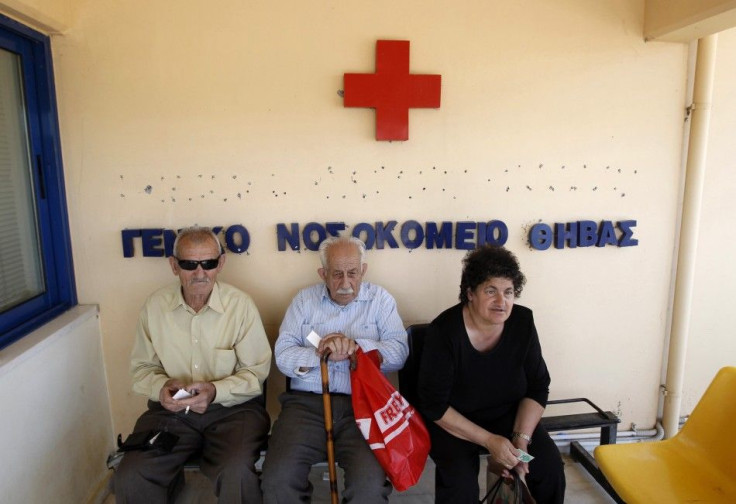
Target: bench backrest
(408, 374)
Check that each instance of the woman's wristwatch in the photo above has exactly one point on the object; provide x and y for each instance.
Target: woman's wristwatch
(523, 436)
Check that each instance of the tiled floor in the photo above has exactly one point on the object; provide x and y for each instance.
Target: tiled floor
(581, 488)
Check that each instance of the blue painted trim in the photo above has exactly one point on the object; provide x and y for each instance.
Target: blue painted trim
(50, 194)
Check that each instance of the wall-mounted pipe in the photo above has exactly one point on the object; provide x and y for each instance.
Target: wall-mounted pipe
(589, 440)
(694, 179)
(654, 434)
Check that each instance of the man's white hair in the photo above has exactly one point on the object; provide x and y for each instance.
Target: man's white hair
(334, 240)
(197, 234)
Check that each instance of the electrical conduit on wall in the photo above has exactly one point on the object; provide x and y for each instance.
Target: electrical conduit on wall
(694, 179)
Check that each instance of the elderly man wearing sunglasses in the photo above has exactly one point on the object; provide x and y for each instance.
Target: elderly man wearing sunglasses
(200, 356)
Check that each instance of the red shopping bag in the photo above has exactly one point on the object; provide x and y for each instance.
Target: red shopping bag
(393, 428)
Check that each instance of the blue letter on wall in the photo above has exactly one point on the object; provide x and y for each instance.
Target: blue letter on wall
(370, 234)
(283, 235)
(627, 240)
(385, 234)
(308, 235)
(540, 237)
(606, 234)
(152, 239)
(587, 233)
(406, 230)
(495, 232)
(566, 233)
(441, 238)
(334, 228)
(463, 233)
(240, 245)
(128, 235)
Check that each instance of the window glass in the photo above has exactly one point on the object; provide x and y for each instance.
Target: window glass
(36, 269)
(21, 276)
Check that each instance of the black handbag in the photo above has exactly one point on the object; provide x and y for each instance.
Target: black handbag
(512, 491)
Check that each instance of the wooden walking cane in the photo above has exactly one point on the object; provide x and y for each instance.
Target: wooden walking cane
(326, 400)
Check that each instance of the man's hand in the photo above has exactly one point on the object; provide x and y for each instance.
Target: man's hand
(203, 393)
(166, 395)
(340, 346)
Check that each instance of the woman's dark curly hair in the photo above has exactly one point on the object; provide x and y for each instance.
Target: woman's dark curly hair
(487, 262)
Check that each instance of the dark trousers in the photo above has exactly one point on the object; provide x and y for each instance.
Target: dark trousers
(298, 440)
(228, 438)
(457, 464)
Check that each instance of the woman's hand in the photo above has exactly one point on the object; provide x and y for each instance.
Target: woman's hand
(528, 415)
(503, 454)
(498, 469)
(522, 468)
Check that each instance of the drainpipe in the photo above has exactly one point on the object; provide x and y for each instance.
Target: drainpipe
(694, 177)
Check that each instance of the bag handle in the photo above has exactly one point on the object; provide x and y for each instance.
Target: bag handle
(494, 489)
(519, 494)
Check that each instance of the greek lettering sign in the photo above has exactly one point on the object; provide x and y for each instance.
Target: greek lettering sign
(410, 234)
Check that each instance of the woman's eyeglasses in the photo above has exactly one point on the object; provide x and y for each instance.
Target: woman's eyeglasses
(190, 265)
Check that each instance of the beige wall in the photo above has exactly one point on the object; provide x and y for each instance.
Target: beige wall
(57, 429)
(550, 111)
(202, 104)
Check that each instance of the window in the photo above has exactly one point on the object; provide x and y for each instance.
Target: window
(36, 274)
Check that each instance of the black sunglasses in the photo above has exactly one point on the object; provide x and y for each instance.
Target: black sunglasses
(190, 265)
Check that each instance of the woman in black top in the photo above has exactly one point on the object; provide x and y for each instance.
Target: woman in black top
(483, 383)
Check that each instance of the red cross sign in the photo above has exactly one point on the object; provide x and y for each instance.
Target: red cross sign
(392, 90)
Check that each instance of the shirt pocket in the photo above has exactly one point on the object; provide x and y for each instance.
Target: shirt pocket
(366, 331)
(225, 360)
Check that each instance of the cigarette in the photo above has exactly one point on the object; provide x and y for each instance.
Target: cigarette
(186, 411)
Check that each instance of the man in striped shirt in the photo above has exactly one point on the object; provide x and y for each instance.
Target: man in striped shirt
(345, 313)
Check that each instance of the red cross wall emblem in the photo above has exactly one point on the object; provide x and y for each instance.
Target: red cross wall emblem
(392, 90)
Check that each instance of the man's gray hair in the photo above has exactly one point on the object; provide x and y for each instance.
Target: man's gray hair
(333, 240)
(197, 234)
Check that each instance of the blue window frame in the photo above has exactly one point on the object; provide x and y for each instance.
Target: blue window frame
(27, 54)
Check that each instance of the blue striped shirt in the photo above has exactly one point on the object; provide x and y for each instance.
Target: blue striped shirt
(371, 319)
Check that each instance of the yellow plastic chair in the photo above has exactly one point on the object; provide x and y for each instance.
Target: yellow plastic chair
(698, 464)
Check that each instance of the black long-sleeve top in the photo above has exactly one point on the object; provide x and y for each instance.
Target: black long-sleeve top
(482, 386)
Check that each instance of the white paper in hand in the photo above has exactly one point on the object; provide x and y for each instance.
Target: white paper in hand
(182, 394)
(314, 339)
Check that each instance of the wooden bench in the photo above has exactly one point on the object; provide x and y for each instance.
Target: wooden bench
(606, 421)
